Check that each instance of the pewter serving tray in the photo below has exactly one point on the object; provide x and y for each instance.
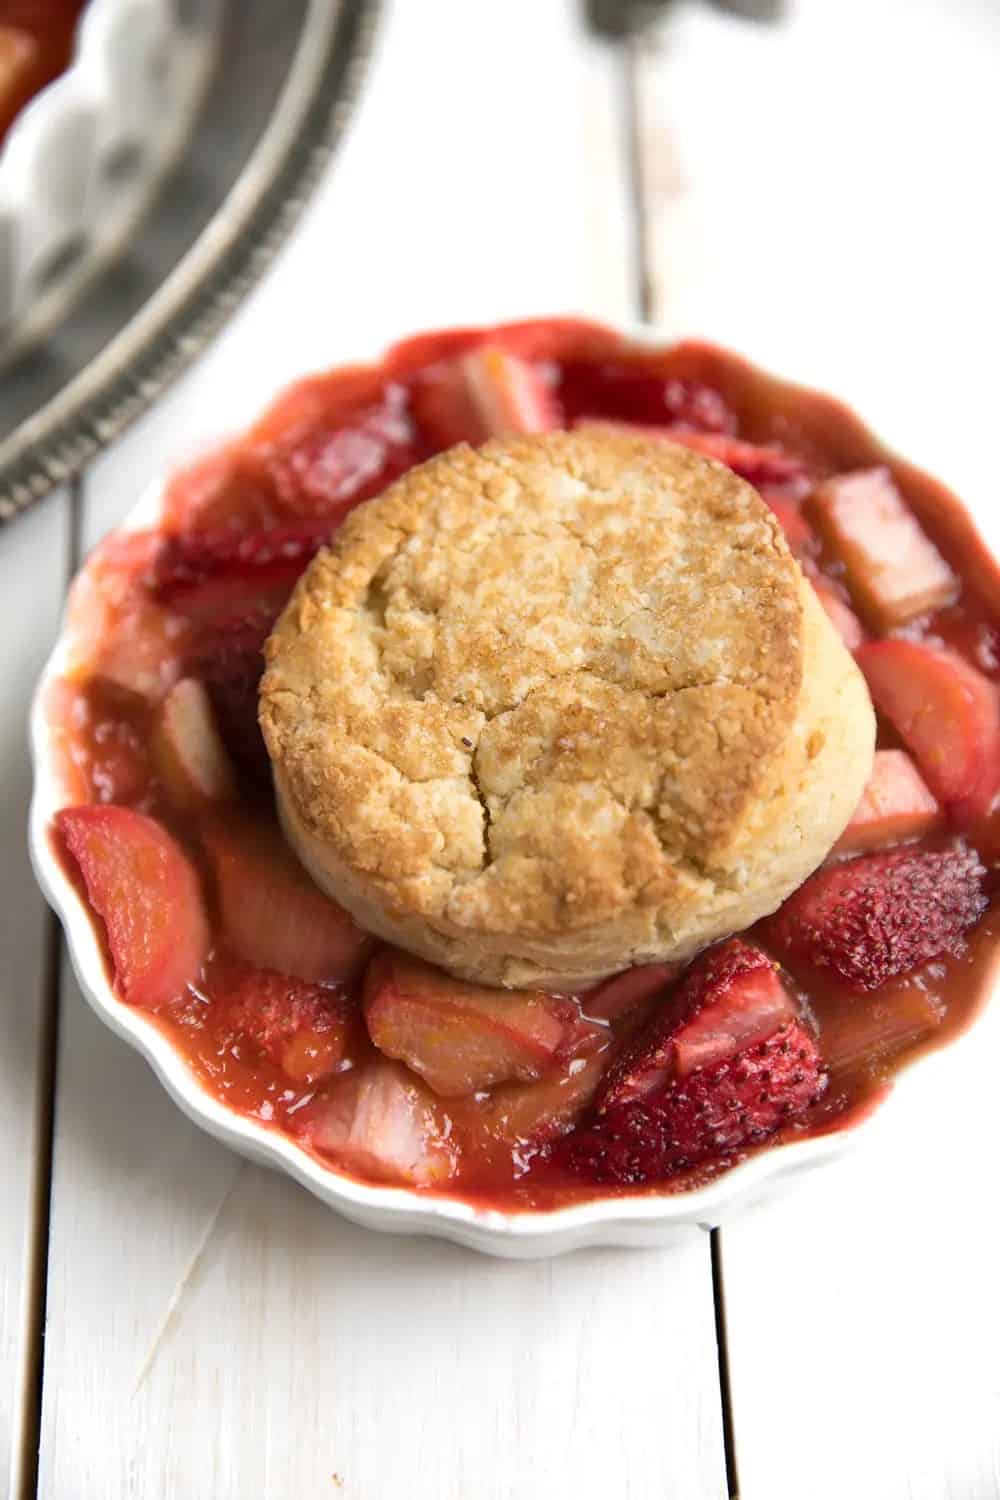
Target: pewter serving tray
(288, 72)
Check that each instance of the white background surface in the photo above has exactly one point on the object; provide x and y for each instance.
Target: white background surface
(821, 194)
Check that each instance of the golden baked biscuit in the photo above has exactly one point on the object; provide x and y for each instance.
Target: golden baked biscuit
(560, 705)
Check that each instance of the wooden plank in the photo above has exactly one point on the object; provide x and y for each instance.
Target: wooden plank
(213, 1330)
(33, 556)
(804, 209)
(227, 1335)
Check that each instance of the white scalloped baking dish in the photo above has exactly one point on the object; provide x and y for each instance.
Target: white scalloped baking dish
(81, 160)
(646, 1219)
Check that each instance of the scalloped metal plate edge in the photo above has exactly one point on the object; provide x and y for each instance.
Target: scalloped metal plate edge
(211, 280)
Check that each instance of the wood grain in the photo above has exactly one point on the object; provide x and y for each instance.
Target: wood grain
(34, 561)
(806, 209)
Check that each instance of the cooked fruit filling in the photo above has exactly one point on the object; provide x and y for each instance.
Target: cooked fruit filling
(378, 1063)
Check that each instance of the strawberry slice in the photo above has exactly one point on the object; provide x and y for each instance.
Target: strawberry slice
(761, 466)
(228, 659)
(729, 999)
(896, 805)
(724, 1063)
(329, 461)
(893, 569)
(145, 888)
(714, 1113)
(625, 992)
(947, 713)
(871, 919)
(305, 1029)
(209, 576)
(460, 1037)
(381, 1122)
(772, 468)
(486, 393)
(229, 488)
(842, 617)
(273, 916)
(631, 394)
(187, 751)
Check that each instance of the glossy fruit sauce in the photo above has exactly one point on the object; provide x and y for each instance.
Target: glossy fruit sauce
(36, 43)
(195, 599)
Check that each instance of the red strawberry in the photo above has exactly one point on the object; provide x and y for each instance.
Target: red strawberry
(145, 888)
(211, 575)
(273, 916)
(712, 1114)
(784, 477)
(637, 395)
(485, 393)
(872, 918)
(895, 806)
(947, 713)
(228, 488)
(305, 1029)
(459, 1037)
(724, 1063)
(228, 659)
(730, 998)
(326, 468)
(761, 466)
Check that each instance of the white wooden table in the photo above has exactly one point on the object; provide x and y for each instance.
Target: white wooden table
(821, 194)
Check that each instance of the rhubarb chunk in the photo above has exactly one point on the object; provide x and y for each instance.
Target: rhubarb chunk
(144, 887)
(486, 393)
(871, 919)
(947, 713)
(896, 805)
(520, 1118)
(381, 1122)
(272, 914)
(894, 570)
(460, 1037)
(305, 1029)
(869, 1033)
(116, 630)
(625, 992)
(189, 755)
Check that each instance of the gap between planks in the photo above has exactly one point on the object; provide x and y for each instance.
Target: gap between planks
(641, 186)
(24, 1476)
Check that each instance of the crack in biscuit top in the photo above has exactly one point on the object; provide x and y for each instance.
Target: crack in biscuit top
(535, 683)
